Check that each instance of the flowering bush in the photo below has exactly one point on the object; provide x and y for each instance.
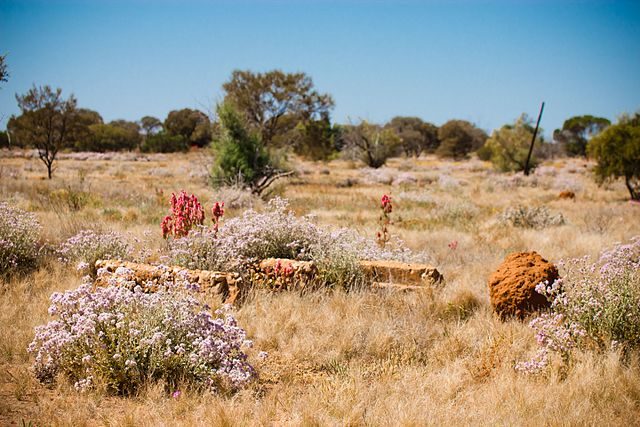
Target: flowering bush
(216, 214)
(123, 340)
(532, 217)
(19, 232)
(278, 233)
(88, 246)
(186, 213)
(596, 304)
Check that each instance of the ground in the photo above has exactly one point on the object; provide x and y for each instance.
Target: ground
(351, 358)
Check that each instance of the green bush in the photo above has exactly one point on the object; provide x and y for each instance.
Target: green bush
(164, 142)
(508, 147)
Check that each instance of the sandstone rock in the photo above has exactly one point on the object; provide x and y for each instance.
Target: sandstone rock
(282, 274)
(567, 194)
(512, 285)
(151, 277)
(401, 272)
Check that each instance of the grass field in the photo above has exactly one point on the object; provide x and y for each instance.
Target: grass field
(364, 357)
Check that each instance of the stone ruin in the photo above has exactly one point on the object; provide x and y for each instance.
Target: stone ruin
(273, 274)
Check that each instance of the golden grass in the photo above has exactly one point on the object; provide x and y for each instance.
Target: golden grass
(361, 358)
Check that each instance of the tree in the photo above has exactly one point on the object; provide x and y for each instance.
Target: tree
(415, 135)
(46, 122)
(577, 131)
(315, 139)
(507, 148)
(458, 138)
(81, 133)
(164, 142)
(266, 98)
(617, 151)
(373, 144)
(241, 158)
(150, 125)
(193, 125)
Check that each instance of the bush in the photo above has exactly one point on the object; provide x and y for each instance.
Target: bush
(19, 234)
(508, 147)
(617, 150)
(371, 143)
(122, 341)
(458, 138)
(164, 142)
(88, 246)
(278, 233)
(536, 217)
(595, 304)
(241, 158)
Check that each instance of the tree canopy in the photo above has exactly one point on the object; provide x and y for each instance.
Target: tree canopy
(577, 131)
(371, 143)
(507, 148)
(415, 135)
(458, 138)
(617, 151)
(265, 99)
(193, 125)
(47, 122)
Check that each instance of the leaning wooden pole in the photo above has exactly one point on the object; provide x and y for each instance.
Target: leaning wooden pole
(533, 140)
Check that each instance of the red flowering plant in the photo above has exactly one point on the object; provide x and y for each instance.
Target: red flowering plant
(186, 213)
(216, 214)
(385, 219)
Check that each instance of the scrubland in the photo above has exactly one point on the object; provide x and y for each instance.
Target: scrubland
(336, 357)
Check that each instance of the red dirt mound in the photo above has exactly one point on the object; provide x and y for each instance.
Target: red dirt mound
(512, 285)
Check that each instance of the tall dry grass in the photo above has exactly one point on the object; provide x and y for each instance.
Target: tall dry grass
(336, 358)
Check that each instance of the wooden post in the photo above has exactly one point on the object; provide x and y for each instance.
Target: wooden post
(533, 140)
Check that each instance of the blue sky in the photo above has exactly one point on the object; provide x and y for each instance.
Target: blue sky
(483, 61)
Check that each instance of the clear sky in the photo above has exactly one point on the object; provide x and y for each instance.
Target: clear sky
(483, 61)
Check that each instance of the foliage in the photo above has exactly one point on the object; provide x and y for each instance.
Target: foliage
(164, 142)
(150, 125)
(458, 138)
(371, 143)
(508, 147)
(82, 136)
(186, 213)
(114, 136)
(88, 246)
(415, 135)
(278, 233)
(577, 131)
(315, 139)
(617, 151)
(19, 234)
(265, 99)
(531, 217)
(593, 304)
(192, 125)
(123, 340)
(46, 122)
(241, 158)
(4, 139)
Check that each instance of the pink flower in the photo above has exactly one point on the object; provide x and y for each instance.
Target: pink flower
(453, 245)
(176, 394)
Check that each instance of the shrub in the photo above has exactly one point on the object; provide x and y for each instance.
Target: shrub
(617, 150)
(458, 138)
(595, 304)
(164, 142)
(88, 246)
(531, 217)
(508, 147)
(278, 233)
(122, 340)
(19, 233)
(186, 213)
(371, 143)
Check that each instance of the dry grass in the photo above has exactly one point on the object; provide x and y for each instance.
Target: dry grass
(356, 358)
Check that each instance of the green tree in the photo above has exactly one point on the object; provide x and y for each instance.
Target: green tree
(240, 156)
(508, 147)
(617, 151)
(150, 125)
(114, 136)
(458, 138)
(577, 131)
(46, 122)
(372, 143)
(265, 99)
(164, 142)
(81, 134)
(315, 139)
(415, 135)
(193, 125)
